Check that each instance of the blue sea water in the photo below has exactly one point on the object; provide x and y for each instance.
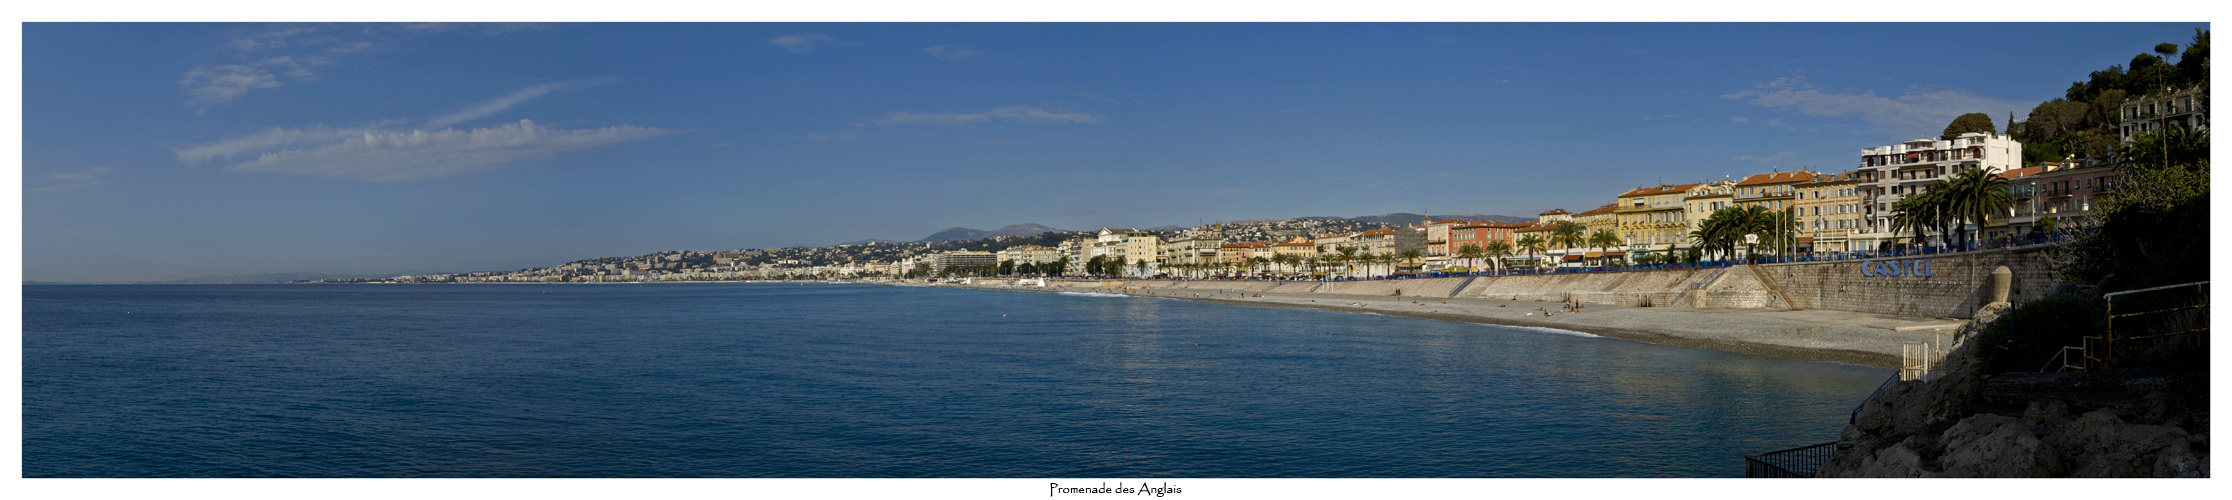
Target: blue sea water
(788, 380)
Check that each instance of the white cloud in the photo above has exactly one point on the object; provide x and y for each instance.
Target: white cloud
(80, 176)
(800, 44)
(506, 102)
(1914, 115)
(292, 50)
(212, 84)
(268, 139)
(419, 154)
(951, 53)
(1017, 113)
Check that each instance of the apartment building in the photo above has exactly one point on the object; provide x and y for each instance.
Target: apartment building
(1029, 254)
(2187, 108)
(1701, 201)
(940, 261)
(1891, 173)
(1655, 219)
(1191, 249)
(1828, 210)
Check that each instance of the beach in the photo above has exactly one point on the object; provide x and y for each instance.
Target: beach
(1819, 335)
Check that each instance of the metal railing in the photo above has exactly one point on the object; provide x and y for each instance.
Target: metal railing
(1803, 461)
(2173, 323)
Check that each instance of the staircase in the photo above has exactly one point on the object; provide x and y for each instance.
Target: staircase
(1772, 287)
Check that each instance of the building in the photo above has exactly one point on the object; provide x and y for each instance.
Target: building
(1194, 249)
(940, 261)
(1077, 250)
(2187, 108)
(1299, 248)
(1828, 210)
(1029, 254)
(1891, 173)
(1478, 235)
(1131, 246)
(2022, 214)
(1773, 191)
(1438, 250)
(1654, 219)
(1605, 218)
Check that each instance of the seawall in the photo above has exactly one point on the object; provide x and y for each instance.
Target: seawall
(1936, 286)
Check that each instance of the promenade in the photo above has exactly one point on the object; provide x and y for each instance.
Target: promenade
(1820, 335)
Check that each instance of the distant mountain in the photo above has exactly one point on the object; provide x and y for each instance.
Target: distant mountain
(1164, 229)
(962, 233)
(866, 241)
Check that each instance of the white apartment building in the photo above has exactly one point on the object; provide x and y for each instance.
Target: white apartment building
(1888, 174)
(2187, 108)
(1029, 254)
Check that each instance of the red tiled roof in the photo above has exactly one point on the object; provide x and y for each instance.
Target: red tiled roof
(1603, 209)
(1777, 178)
(1376, 232)
(1553, 211)
(1661, 189)
(2022, 172)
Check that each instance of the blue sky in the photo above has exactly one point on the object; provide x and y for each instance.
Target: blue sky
(156, 151)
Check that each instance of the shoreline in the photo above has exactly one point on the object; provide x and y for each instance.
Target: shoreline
(1864, 339)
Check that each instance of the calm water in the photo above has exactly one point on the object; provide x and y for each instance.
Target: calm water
(764, 380)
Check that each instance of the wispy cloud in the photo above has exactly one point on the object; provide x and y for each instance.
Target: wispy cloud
(1018, 113)
(419, 154)
(951, 53)
(506, 102)
(1920, 113)
(289, 53)
(800, 44)
(376, 152)
(81, 178)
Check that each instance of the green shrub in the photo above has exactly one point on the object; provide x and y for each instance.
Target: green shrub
(2028, 336)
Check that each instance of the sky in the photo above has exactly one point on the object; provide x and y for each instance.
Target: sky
(156, 151)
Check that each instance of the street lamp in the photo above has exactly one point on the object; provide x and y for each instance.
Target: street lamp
(1749, 240)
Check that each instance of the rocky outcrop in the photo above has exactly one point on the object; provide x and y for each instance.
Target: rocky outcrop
(2125, 423)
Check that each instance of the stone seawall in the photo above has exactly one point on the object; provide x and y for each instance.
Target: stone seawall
(1937, 286)
(1941, 286)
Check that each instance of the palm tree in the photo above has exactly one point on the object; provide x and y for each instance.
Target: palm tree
(1345, 255)
(1976, 196)
(1312, 263)
(1411, 256)
(1532, 244)
(1917, 213)
(1569, 235)
(1471, 253)
(1496, 251)
(1257, 262)
(1604, 239)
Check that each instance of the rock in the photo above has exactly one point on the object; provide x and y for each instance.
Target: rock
(1895, 461)
(1990, 445)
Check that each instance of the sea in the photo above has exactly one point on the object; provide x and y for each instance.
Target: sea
(759, 380)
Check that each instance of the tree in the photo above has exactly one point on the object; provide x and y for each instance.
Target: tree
(1471, 253)
(1568, 235)
(1976, 196)
(1917, 212)
(2045, 225)
(1972, 122)
(1532, 244)
(1496, 251)
(1345, 256)
(1604, 239)
(1411, 256)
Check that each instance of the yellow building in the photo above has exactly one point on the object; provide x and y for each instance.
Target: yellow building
(1775, 191)
(1701, 201)
(1828, 210)
(1654, 219)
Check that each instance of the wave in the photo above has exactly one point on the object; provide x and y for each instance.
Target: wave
(1551, 331)
(1093, 294)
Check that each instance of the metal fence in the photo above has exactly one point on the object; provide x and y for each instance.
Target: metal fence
(2160, 325)
(1803, 461)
